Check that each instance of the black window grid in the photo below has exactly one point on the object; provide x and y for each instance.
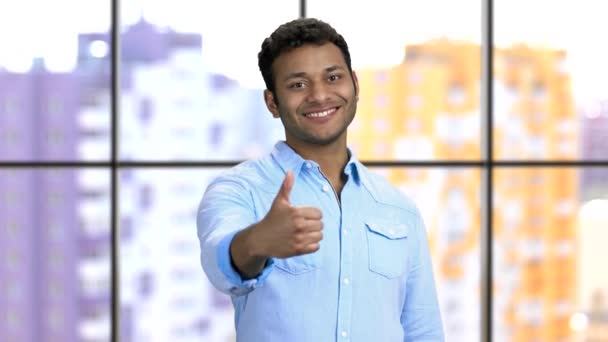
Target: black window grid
(486, 164)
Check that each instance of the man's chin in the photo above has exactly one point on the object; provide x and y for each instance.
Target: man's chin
(323, 141)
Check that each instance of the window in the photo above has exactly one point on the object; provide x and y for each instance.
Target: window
(526, 164)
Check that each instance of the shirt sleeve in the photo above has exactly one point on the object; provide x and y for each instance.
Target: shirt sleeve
(420, 317)
(226, 209)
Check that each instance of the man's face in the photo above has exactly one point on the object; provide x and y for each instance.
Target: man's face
(316, 95)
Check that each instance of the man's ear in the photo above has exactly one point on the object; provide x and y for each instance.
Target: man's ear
(271, 103)
(356, 84)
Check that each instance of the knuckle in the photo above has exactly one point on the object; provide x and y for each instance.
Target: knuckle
(294, 211)
(300, 249)
(295, 247)
(298, 224)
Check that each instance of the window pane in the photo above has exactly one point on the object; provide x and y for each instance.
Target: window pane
(551, 82)
(165, 294)
(448, 199)
(54, 80)
(55, 251)
(550, 233)
(419, 70)
(191, 86)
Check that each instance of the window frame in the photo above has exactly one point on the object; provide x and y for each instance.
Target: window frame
(487, 164)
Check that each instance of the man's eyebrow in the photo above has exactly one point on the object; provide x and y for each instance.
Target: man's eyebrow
(295, 75)
(303, 74)
(333, 68)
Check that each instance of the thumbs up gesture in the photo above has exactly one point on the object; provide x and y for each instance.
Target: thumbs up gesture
(286, 230)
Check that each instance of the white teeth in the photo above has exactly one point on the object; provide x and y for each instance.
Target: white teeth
(321, 114)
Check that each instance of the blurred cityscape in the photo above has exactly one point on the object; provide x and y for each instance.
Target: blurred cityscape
(55, 238)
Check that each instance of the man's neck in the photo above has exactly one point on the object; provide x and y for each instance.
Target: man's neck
(331, 158)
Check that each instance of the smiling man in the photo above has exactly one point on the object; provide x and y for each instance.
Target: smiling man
(311, 245)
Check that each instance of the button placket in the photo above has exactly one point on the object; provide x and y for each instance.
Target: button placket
(345, 299)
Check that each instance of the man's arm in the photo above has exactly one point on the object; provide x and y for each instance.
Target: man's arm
(246, 255)
(225, 210)
(421, 318)
(238, 259)
(284, 232)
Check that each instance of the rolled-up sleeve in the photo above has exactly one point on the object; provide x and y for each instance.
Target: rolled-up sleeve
(226, 208)
(421, 318)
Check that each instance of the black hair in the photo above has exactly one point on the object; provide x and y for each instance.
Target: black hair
(292, 35)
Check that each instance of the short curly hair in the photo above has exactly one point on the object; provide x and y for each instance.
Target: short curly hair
(292, 35)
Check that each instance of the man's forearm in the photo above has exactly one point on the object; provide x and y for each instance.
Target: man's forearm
(245, 254)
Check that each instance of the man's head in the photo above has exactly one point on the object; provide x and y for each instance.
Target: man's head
(310, 83)
(292, 35)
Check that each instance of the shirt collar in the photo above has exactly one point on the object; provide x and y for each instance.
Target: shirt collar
(355, 169)
(288, 160)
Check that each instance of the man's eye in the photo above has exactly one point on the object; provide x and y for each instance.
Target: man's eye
(334, 78)
(297, 85)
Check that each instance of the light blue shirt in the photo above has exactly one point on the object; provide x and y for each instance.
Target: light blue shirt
(371, 280)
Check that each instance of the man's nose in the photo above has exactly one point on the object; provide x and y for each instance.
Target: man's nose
(318, 93)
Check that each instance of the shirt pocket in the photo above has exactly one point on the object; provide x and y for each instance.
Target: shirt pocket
(300, 264)
(387, 248)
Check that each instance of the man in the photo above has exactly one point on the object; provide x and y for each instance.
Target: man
(310, 245)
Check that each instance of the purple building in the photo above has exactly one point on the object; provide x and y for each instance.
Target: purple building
(17, 269)
(42, 239)
(594, 144)
(45, 242)
(16, 116)
(40, 284)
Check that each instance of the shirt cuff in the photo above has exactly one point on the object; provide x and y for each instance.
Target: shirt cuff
(239, 285)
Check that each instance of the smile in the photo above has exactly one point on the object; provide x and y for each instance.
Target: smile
(320, 114)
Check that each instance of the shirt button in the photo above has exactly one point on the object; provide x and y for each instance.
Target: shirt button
(325, 188)
(346, 281)
(344, 333)
(308, 165)
(345, 232)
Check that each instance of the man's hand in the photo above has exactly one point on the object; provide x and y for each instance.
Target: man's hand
(288, 231)
(284, 232)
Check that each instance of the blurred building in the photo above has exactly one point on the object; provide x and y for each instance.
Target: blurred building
(537, 233)
(594, 141)
(425, 108)
(535, 113)
(428, 108)
(57, 244)
(56, 273)
(172, 108)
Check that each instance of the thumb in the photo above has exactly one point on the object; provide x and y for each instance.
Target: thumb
(286, 186)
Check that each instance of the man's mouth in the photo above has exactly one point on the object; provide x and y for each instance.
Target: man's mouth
(321, 114)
